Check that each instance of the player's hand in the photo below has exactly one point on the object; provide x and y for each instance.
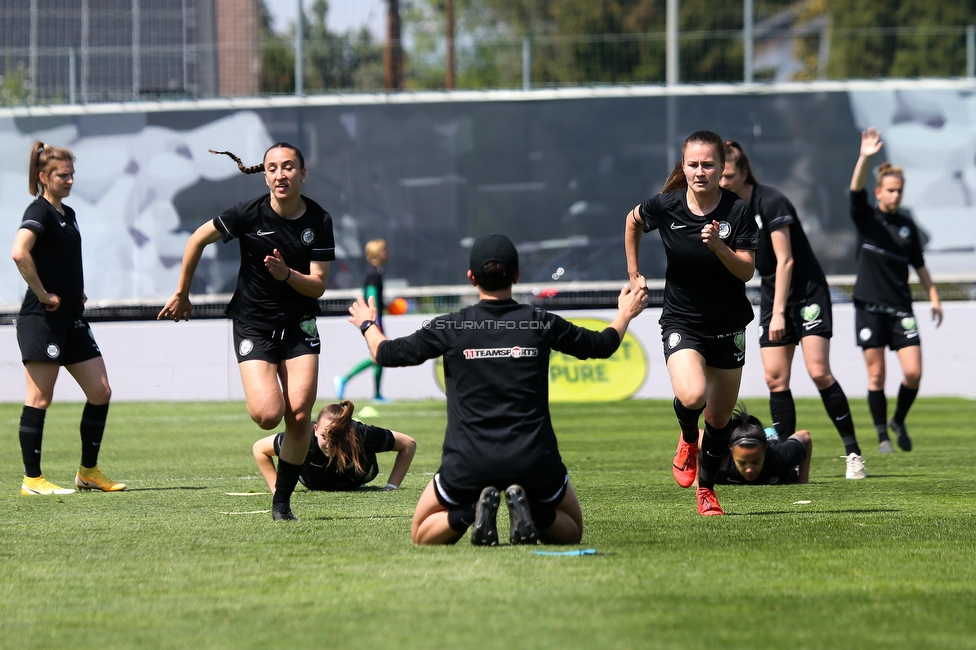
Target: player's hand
(51, 302)
(361, 311)
(631, 303)
(276, 266)
(176, 308)
(710, 238)
(638, 281)
(777, 327)
(870, 141)
(937, 314)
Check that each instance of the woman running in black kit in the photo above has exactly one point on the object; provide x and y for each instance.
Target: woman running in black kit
(795, 307)
(888, 242)
(286, 245)
(50, 328)
(710, 240)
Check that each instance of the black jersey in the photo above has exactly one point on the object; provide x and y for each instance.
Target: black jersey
(374, 278)
(774, 211)
(260, 300)
(318, 474)
(779, 466)
(496, 372)
(700, 292)
(57, 258)
(887, 244)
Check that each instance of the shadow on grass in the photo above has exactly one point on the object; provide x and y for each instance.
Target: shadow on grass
(851, 511)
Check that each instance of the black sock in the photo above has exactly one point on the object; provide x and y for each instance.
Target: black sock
(906, 396)
(92, 429)
(461, 518)
(835, 401)
(783, 411)
(31, 432)
(287, 480)
(715, 444)
(878, 404)
(688, 421)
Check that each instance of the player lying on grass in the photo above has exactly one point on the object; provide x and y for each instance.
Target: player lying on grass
(754, 459)
(499, 431)
(342, 453)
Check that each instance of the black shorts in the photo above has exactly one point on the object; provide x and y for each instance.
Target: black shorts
(549, 493)
(49, 338)
(812, 316)
(878, 326)
(277, 345)
(722, 351)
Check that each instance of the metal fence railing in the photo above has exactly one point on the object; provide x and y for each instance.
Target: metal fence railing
(64, 71)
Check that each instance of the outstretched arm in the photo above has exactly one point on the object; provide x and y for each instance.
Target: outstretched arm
(179, 305)
(263, 451)
(362, 311)
(870, 145)
(633, 231)
(406, 447)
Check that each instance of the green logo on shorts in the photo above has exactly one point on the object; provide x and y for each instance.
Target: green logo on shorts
(908, 323)
(740, 340)
(309, 327)
(810, 312)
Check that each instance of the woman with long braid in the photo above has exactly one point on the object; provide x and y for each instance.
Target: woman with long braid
(286, 244)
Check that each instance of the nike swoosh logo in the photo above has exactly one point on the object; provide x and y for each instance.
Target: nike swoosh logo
(841, 417)
(314, 345)
(675, 226)
(262, 233)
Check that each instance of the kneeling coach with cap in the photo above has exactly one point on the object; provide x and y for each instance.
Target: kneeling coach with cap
(499, 433)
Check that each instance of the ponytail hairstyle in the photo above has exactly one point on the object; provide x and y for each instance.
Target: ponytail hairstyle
(887, 169)
(340, 436)
(257, 169)
(43, 158)
(677, 180)
(734, 154)
(747, 430)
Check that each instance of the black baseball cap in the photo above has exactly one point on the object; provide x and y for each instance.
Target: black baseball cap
(493, 248)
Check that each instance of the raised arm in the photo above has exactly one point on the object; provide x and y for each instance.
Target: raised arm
(263, 451)
(784, 276)
(406, 447)
(870, 145)
(930, 288)
(24, 242)
(179, 305)
(633, 231)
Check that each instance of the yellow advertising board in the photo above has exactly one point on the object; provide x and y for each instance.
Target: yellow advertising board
(590, 380)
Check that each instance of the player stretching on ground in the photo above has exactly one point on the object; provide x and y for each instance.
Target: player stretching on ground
(499, 433)
(710, 239)
(286, 245)
(795, 307)
(342, 452)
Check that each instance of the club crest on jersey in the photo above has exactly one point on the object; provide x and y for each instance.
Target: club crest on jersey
(904, 232)
(724, 229)
(308, 236)
(245, 348)
(864, 334)
(673, 340)
(309, 327)
(53, 351)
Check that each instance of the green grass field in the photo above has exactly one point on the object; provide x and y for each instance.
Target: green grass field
(885, 562)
